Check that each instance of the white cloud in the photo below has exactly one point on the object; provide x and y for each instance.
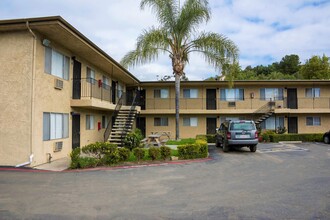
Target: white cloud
(264, 30)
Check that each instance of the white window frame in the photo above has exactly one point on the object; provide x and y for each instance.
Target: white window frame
(90, 122)
(312, 92)
(55, 126)
(272, 94)
(90, 75)
(163, 121)
(190, 121)
(313, 121)
(162, 94)
(56, 63)
(190, 93)
(232, 95)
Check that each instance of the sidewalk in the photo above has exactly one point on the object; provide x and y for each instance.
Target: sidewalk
(56, 165)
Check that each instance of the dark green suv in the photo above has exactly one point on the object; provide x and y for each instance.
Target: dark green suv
(239, 133)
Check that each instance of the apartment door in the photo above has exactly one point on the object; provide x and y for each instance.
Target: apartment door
(211, 125)
(211, 99)
(75, 131)
(76, 92)
(141, 124)
(114, 91)
(293, 125)
(292, 98)
(142, 100)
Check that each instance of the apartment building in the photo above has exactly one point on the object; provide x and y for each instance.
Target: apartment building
(61, 91)
(58, 90)
(301, 106)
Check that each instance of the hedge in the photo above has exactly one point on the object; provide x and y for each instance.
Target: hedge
(296, 137)
(210, 138)
(193, 151)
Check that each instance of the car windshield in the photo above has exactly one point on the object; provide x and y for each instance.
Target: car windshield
(242, 126)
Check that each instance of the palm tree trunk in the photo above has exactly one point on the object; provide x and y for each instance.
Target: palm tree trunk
(177, 106)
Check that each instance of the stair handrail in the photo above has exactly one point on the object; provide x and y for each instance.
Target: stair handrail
(113, 116)
(269, 106)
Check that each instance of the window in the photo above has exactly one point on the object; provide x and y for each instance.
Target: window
(90, 75)
(232, 94)
(56, 63)
(161, 93)
(313, 92)
(271, 94)
(55, 126)
(313, 121)
(104, 121)
(190, 93)
(105, 83)
(89, 122)
(190, 121)
(161, 121)
(120, 90)
(272, 123)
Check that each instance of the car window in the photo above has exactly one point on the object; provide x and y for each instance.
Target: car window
(242, 126)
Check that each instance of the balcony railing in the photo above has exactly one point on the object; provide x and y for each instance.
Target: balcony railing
(91, 88)
(247, 103)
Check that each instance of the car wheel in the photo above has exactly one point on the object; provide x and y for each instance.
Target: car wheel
(326, 139)
(253, 148)
(225, 147)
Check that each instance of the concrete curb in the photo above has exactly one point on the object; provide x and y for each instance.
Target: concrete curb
(290, 142)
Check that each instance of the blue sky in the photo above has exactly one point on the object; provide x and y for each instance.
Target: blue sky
(264, 30)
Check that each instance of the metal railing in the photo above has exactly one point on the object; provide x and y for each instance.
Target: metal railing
(92, 88)
(247, 103)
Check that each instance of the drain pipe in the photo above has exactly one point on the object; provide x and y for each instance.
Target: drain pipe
(32, 95)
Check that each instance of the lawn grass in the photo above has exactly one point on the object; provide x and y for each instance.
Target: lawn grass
(181, 142)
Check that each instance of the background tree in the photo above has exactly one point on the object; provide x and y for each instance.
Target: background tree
(289, 64)
(316, 68)
(177, 36)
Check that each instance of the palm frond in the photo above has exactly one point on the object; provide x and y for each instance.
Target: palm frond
(149, 45)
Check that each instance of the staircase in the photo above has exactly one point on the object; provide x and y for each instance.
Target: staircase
(123, 124)
(264, 112)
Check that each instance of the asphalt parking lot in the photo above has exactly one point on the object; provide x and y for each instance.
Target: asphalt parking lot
(279, 181)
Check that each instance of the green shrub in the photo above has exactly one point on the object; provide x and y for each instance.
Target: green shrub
(181, 142)
(280, 130)
(111, 158)
(98, 149)
(133, 139)
(193, 151)
(88, 162)
(124, 153)
(75, 155)
(210, 138)
(165, 152)
(267, 135)
(139, 153)
(154, 153)
(297, 137)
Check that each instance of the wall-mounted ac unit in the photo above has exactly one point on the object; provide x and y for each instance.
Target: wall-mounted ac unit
(231, 104)
(58, 146)
(58, 84)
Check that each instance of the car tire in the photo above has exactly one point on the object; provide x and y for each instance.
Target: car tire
(326, 140)
(225, 147)
(253, 148)
(217, 144)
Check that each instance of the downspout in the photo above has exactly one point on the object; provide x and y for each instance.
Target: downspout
(32, 96)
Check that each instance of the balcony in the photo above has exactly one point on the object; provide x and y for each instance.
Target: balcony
(93, 94)
(246, 106)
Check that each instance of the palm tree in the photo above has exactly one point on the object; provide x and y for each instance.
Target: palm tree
(177, 35)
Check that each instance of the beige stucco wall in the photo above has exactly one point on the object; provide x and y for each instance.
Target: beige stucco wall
(15, 102)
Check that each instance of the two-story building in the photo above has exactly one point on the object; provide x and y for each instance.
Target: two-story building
(60, 91)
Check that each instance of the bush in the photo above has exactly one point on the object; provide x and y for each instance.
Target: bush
(88, 162)
(280, 130)
(139, 153)
(267, 135)
(133, 139)
(165, 152)
(297, 137)
(203, 148)
(210, 138)
(98, 149)
(124, 153)
(75, 155)
(193, 151)
(111, 158)
(154, 153)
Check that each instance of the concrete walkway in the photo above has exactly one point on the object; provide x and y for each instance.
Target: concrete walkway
(56, 165)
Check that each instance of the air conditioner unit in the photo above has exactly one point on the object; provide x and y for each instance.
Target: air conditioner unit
(58, 146)
(58, 84)
(231, 104)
